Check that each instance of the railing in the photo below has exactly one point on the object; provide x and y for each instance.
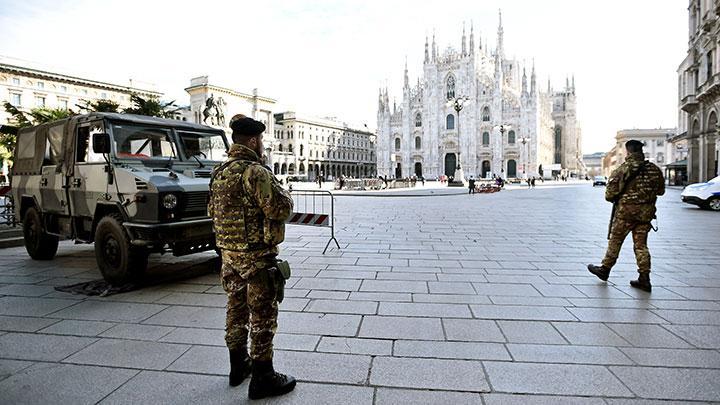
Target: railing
(314, 208)
(7, 208)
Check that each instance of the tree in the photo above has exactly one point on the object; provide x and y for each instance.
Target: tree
(151, 107)
(108, 106)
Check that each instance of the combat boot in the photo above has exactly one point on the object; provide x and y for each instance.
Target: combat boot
(240, 366)
(266, 382)
(642, 283)
(600, 271)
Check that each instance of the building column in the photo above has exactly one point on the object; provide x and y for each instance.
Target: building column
(693, 164)
(710, 156)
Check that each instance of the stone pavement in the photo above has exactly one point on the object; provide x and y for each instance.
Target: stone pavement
(448, 299)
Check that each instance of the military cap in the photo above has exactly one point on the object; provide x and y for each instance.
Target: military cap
(245, 126)
(634, 144)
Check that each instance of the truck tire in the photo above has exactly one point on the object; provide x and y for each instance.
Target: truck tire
(118, 260)
(39, 244)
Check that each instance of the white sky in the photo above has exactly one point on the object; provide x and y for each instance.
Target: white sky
(329, 58)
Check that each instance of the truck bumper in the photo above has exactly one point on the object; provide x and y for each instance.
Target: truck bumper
(183, 237)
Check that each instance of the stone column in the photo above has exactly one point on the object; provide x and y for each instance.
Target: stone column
(693, 164)
(710, 153)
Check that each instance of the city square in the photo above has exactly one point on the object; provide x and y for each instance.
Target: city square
(358, 202)
(431, 298)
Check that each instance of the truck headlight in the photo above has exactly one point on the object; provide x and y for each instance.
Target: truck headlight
(170, 201)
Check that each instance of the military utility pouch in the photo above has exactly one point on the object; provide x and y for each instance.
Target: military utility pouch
(280, 273)
(284, 268)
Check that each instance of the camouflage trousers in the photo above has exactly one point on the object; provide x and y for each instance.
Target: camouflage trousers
(252, 308)
(618, 232)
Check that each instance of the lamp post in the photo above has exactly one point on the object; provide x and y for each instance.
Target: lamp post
(458, 104)
(524, 141)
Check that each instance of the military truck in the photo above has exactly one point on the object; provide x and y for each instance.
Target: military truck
(132, 185)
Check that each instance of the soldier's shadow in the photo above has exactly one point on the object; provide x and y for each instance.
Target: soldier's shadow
(156, 275)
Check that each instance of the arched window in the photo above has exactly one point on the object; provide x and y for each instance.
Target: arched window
(397, 144)
(450, 122)
(511, 137)
(291, 168)
(451, 87)
(418, 120)
(486, 114)
(302, 168)
(486, 139)
(660, 158)
(418, 142)
(280, 148)
(290, 148)
(302, 148)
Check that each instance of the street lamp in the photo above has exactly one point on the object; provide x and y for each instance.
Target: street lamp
(524, 141)
(458, 104)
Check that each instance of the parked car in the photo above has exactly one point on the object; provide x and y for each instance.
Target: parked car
(132, 185)
(704, 195)
(599, 181)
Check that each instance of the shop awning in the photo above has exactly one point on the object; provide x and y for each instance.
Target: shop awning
(680, 164)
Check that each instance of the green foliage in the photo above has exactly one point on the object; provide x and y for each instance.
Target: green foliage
(151, 107)
(108, 106)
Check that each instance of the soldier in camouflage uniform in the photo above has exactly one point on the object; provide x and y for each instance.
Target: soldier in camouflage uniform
(634, 188)
(249, 209)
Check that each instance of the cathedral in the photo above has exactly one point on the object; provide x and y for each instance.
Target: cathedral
(477, 111)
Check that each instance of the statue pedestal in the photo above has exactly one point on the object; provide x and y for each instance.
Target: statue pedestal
(458, 179)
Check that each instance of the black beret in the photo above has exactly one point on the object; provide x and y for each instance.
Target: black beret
(246, 126)
(635, 144)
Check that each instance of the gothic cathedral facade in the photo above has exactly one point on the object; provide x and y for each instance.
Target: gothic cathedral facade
(505, 127)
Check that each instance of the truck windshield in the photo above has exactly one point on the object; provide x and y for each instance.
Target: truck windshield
(203, 145)
(143, 142)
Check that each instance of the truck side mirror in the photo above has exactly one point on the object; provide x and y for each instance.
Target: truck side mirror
(101, 143)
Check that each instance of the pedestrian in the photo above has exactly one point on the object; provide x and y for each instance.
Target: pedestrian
(532, 182)
(249, 208)
(471, 185)
(633, 189)
(422, 178)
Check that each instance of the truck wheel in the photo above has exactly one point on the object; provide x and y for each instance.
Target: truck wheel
(118, 260)
(39, 244)
(713, 204)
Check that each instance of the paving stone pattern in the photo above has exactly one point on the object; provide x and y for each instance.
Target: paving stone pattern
(431, 299)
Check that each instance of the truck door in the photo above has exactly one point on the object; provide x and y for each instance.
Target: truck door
(53, 193)
(88, 182)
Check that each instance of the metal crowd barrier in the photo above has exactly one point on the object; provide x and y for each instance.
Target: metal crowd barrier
(7, 208)
(314, 208)
(360, 184)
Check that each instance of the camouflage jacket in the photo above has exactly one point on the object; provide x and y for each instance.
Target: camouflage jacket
(637, 201)
(248, 205)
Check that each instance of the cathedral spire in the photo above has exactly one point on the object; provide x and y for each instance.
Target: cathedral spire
(472, 39)
(572, 86)
(464, 48)
(406, 78)
(434, 48)
(524, 82)
(499, 50)
(427, 55)
(549, 88)
(532, 79)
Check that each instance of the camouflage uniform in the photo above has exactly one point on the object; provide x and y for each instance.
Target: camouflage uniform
(635, 209)
(249, 208)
